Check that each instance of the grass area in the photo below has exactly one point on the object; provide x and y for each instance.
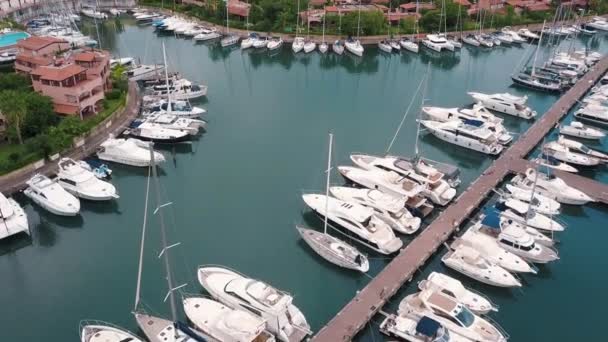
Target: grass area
(14, 156)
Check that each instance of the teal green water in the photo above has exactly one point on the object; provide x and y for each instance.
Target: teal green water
(236, 194)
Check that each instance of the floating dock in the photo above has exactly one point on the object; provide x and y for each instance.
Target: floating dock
(367, 302)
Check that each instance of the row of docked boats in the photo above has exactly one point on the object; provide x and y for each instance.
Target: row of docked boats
(507, 240)
(238, 308)
(594, 107)
(568, 152)
(476, 128)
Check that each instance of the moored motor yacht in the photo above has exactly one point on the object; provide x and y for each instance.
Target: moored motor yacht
(222, 323)
(538, 202)
(505, 103)
(577, 129)
(474, 301)
(519, 211)
(471, 263)
(388, 182)
(207, 34)
(181, 109)
(454, 315)
(514, 238)
(96, 331)
(468, 134)
(51, 196)
(390, 206)
(552, 187)
(82, 183)
(149, 131)
(238, 291)
(12, 218)
(334, 250)
(364, 222)
(128, 151)
(553, 163)
(492, 251)
(565, 154)
(180, 89)
(170, 121)
(592, 114)
(437, 189)
(582, 149)
(143, 71)
(418, 329)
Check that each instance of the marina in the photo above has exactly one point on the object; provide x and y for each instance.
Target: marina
(248, 177)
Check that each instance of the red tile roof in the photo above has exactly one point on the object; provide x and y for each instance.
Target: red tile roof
(36, 43)
(84, 57)
(53, 73)
(538, 7)
(422, 6)
(236, 7)
(37, 60)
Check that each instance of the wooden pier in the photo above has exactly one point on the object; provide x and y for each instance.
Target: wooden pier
(366, 303)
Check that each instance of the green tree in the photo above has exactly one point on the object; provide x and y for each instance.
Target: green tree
(40, 114)
(14, 81)
(14, 108)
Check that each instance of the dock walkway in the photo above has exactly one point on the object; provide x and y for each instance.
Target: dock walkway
(355, 315)
(116, 123)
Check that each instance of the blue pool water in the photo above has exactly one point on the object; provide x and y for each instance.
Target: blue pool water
(11, 38)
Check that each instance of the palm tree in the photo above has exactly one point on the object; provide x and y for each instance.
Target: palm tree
(14, 108)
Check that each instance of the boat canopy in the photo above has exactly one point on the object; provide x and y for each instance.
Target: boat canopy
(427, 326)
(492, 218)
(472, 122)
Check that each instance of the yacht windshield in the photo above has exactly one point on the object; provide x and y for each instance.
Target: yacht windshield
(585, 149)
(465, 316)
(442, 335)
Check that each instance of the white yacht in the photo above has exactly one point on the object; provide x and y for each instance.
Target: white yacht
(388, 182)
(527, 34)
(592, 114)
(372, 228)
(553, 163)
(158, 329)
(437, 189)
(471, 263)
(222, 323)
(582, 149)
(284, 319)
(468, 134)
(82, 183)
(577, 129)
(516, 38)
(505, 103)
(538, 202)
(207, 34)
(274, 43)
(298, 44)
(514, 238)
(261, 43)
(437, 42)
(248, 42)
(598, 24)
(390, 206)
(478, 112)
(492, 251)
(95, 331)
(309, 46)
(354, 46)
(552, 187)
(418, 329)
(51, 196)
(128, 151)
(338, 47)
(471, 40)
(183, 109)
(12, 218)
(334, 250)
(474, 301)
(143, 71)
(149, 131)
(385, 46)
(454, 315)
(180, 89)
(519, 211)
(409, 44)
(192, 126)
(563, 153)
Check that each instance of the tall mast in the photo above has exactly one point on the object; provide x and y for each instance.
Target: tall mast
(331, 141)
(141, 248)
(165, 250)
(359, 21)
(426, 83)
(247, 21)
(324, 26)
(540, 40)
(308, 22)
(169, 110)
(298, 18)
(227, 19)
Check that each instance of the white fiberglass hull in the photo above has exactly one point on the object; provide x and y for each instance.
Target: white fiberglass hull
(102, 195)
(16, 223)
(61, 209)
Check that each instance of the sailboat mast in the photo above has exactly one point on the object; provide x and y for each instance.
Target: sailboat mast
(247, 24)
(165, 250)
(324, 26)
(308, 21)
(169, 110)
(298, 19)
(359, 21)
(141, 248)
(227, 20)
(422, 100)
(331, 142)
(538, 48)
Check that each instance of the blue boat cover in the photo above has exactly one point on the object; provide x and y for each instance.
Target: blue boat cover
(473, 122)
(427, 326)
(492, 218)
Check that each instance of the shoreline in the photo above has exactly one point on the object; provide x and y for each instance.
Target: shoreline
(83, 146)
(365, 40)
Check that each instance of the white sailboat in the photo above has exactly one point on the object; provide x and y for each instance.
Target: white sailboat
(298, 42)
(309, 45)
(338, 46)
(354, 45)
(330, 248)
(229, 39)
(323, 47)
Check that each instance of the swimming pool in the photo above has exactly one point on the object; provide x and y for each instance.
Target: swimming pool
(11, 38)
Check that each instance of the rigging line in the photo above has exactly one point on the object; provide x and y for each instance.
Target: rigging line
(409, 107)
(141, 249)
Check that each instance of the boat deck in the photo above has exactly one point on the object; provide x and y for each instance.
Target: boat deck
(366, 303)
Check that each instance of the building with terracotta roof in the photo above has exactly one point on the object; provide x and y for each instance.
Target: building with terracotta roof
(38, 51)
(238, 8)
(529, 5)
(411, 6)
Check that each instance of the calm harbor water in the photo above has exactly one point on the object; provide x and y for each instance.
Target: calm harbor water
(236, 193)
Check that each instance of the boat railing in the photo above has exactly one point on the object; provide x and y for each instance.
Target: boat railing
(495, 307)
(241, 274)
(498, 327)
